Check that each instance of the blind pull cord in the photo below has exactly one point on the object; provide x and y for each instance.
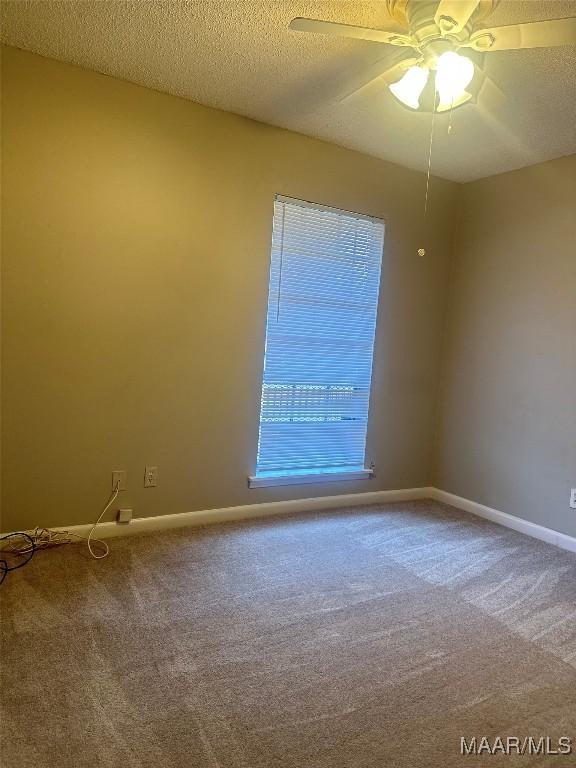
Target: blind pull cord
(281, 261)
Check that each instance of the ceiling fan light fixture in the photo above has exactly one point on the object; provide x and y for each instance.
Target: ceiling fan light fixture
(453, 74)
(409, 88)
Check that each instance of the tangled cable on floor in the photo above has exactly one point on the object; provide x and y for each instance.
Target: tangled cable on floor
(24, 544)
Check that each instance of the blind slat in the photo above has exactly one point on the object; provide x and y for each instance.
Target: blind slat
(322, 303)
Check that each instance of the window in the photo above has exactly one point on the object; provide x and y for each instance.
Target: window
(322, 303)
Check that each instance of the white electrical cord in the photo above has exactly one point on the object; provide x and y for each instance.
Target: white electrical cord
(44, 538)
(111, 501)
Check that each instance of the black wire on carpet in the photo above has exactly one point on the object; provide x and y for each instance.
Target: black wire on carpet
(11, 557)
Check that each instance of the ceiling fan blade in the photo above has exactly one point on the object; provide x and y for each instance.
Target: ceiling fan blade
(535, 34)
(390, 36)
(452, 15)
(376, 77)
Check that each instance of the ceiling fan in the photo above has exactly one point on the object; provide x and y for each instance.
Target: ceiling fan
(436, 30)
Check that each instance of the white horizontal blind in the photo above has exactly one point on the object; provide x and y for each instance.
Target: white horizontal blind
(324, 282)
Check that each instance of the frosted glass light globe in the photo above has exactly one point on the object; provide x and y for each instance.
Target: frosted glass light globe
(453, 74)
(409, 88)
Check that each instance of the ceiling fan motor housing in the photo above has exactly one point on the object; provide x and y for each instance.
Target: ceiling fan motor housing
(419, 17)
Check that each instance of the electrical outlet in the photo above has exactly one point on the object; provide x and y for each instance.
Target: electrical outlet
(124, 515)
(119, 479)
(150, 477)
(573, 498)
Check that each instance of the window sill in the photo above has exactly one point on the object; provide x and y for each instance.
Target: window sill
(264, 481)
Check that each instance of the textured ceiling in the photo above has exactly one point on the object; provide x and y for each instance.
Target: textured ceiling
(239, 56)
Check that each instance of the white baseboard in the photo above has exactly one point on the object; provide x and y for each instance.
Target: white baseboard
(509, 521)
(248, 511)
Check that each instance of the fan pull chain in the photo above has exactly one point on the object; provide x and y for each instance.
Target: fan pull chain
(450, 119)
(422, 251)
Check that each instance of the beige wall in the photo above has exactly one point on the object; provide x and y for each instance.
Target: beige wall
(136, 248)
(507, 435)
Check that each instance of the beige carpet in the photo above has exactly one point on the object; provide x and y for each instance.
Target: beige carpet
(367, 637)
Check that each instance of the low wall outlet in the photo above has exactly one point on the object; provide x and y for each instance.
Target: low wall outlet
(150, 477)
(119, 479)
(124, 516)
(573, 498)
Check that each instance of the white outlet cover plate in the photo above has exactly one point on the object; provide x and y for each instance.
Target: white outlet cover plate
(573, 498)
(150, 477)
(119, 478)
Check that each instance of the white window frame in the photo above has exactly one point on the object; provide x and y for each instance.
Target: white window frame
(326, 476)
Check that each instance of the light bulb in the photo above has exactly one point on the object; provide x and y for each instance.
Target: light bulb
(410, 87)
(453, 74)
